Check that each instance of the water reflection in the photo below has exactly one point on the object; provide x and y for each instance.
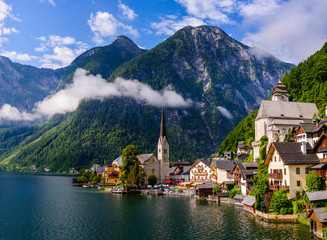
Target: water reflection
(45, 207)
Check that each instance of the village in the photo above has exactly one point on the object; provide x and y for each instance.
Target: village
(284, 182)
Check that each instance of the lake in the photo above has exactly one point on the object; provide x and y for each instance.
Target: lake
(49, 207)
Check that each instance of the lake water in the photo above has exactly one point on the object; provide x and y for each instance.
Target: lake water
(49, 207)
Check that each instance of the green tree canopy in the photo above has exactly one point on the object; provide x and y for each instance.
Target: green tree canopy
(152, 179)
(314, 183)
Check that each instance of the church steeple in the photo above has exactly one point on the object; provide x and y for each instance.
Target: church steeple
(163, 150)
(280, 93)
(163, 125)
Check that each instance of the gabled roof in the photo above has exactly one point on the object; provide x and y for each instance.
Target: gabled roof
(239, 197)
(242, 156)
(290, 153)
(322, 137)
(249, 200)
(282, 109)
(144, 157)
(322, 217)
(205, 161)
(317, 195)
(251, 165)
(119, 161)
(306, 127)
(226, 164)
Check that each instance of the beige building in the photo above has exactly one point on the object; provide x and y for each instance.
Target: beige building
(288, 165)
(276, 118)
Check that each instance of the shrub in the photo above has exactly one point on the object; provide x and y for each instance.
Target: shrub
(217, 189)
(279, 202)
(235, 191)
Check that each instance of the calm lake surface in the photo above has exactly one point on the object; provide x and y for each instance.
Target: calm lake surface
(48, 207)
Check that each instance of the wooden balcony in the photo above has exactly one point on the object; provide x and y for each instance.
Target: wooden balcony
(276, 187)
(276, 176)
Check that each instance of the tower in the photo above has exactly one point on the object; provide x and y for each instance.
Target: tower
(163, 151)
(280, 93)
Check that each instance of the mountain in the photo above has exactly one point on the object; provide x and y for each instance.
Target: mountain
(22, 85)
(103, 60)
(306, 82)
(224, 78)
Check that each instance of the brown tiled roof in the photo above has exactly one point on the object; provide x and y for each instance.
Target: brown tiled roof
(290, 153)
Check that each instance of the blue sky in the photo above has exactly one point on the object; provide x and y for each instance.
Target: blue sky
(51, 33)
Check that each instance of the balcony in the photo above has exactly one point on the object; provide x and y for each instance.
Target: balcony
(277, 187)
(276, 176)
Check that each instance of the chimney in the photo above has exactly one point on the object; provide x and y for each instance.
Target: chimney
(304, 147)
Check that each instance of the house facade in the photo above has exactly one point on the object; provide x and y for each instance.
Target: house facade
(288, 165)
(243, 174)
(201, 171)
(222, 170)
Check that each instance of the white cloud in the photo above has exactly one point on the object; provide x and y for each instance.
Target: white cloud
(225, 112)
(294, 31)
(215, 11)
(52, 2)
(126, 11)
(170, 24)
(258, 8)
(104, 24)
(86, 86)
(5, 14)
(63, 50)
(14, 56)
(8, 112)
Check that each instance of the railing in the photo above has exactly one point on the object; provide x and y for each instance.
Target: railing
(277, 187)
(275, 175)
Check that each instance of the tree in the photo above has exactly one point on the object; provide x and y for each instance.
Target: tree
(152, 179)
(260, 183)
(263, 147)
(129, 159)
(279, 202)
(314, 183)
(136, 175)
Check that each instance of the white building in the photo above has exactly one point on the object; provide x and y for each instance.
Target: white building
(278, 117)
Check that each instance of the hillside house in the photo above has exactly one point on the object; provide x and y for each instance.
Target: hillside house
(243, 174)
(318, 221)
(222, 169)
(288, 164)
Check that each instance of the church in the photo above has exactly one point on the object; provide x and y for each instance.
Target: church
(151, 164)
(278, 117)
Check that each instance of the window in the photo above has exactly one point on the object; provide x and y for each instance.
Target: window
(306, 170)
(153, 170)
(285, 183)
(284, 171)
(159, 150)
(275, 158)
(165, 151)
(297, 170)
(298, 183)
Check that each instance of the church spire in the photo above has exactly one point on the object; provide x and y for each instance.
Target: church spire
(163, 125)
